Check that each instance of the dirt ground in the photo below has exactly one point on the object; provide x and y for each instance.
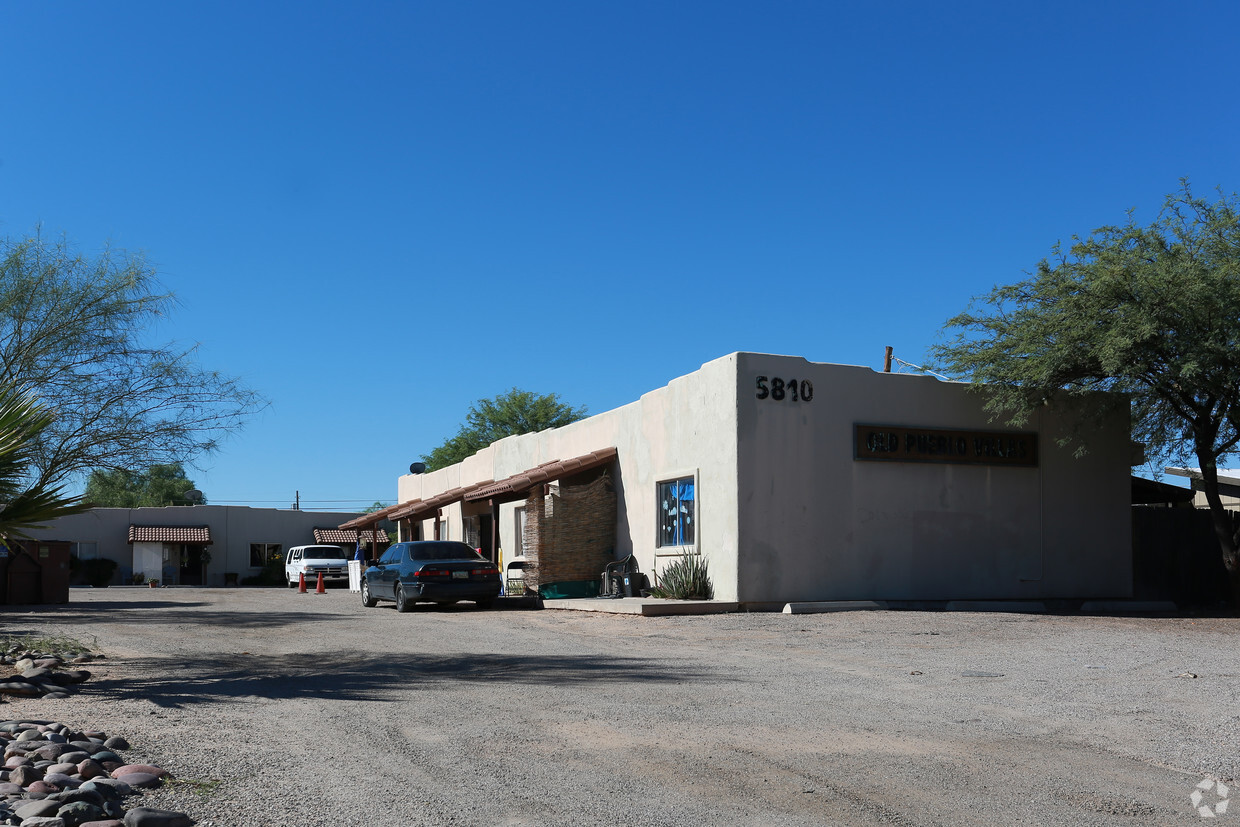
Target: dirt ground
(287, 708)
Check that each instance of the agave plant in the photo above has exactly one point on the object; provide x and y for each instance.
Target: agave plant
(685, 578)
(24, 505)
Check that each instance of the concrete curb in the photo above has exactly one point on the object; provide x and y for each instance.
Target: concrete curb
(1018, 606)
(832, 606)
(1128, 606)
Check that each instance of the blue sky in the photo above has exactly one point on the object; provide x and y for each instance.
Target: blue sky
(377, 213)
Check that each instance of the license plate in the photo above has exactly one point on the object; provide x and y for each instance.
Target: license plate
(460, 575)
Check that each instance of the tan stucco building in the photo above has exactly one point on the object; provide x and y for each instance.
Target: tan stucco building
(805, 481)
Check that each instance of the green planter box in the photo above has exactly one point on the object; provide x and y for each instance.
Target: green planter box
(568, 589)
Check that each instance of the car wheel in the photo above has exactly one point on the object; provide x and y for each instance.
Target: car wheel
(292, 584)
(485, 603)
(402, 605)
(367, 601)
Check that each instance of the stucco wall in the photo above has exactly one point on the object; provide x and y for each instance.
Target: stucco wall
(684, 429)
(816, 524)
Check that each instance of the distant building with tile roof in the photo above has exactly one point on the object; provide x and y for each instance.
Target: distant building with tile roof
(209, 545)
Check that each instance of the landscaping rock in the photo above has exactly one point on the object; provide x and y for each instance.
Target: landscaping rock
(37, 673)
(89, 796)
(151, 769)
(109, 787)
(49, 779)
(44, 821)
(25, 775)
(147, 817)
(145, 780)
(76, 812)
(90, 768)
(36, 808)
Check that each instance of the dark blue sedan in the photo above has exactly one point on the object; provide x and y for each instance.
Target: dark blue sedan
(432, 571)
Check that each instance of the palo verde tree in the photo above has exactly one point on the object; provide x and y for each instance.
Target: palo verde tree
(488, 420)
(159, 485)
(25, 505)
(77, 330)
(1149, 311)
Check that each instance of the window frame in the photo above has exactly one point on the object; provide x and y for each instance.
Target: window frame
(91, 551)
(519, 517)
(471, 529)
(695, 543)
(267, 553)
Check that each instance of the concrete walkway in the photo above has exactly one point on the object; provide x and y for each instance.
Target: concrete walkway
(645, 606)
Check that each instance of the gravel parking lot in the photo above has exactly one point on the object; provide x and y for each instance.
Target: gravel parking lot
(311, 710)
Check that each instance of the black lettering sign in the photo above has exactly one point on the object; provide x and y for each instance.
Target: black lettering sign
(901, 444)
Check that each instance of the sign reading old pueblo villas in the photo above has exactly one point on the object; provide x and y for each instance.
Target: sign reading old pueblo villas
(892, 444)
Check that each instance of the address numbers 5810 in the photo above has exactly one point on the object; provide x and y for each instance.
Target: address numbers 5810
(781, 389)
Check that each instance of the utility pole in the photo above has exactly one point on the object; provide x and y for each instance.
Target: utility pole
(887, 360)
(297, 501)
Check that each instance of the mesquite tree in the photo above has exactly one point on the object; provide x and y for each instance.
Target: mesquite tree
(1150, 311)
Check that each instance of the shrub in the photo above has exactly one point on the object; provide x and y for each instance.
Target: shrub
(97, 571)
(685, 578)
(271, 575)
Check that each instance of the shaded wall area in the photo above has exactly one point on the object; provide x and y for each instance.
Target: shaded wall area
(1176, 557)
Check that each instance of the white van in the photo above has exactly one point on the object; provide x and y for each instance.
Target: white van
(332, 561)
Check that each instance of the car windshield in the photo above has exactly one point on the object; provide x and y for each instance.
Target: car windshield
(442, 551)
(324, 553)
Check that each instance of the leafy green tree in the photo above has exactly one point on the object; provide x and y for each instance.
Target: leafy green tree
(488, 420)
(1149, 311)
(159, 485)
(25, 506)
(77, 329)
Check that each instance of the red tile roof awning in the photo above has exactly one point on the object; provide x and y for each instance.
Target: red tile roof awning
(371, 519)
(416, 507)
(517, 484)
(199, 535)
(339, 535)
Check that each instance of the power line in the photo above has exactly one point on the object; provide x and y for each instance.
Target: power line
(920, 368)
(285, 499)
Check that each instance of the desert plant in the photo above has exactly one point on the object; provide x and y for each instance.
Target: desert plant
(16, 643)
(685, 578)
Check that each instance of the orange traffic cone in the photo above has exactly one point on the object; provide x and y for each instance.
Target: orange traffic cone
(301, 582)
(320, 589)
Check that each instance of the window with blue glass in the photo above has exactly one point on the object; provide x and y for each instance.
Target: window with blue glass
(677, 513)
